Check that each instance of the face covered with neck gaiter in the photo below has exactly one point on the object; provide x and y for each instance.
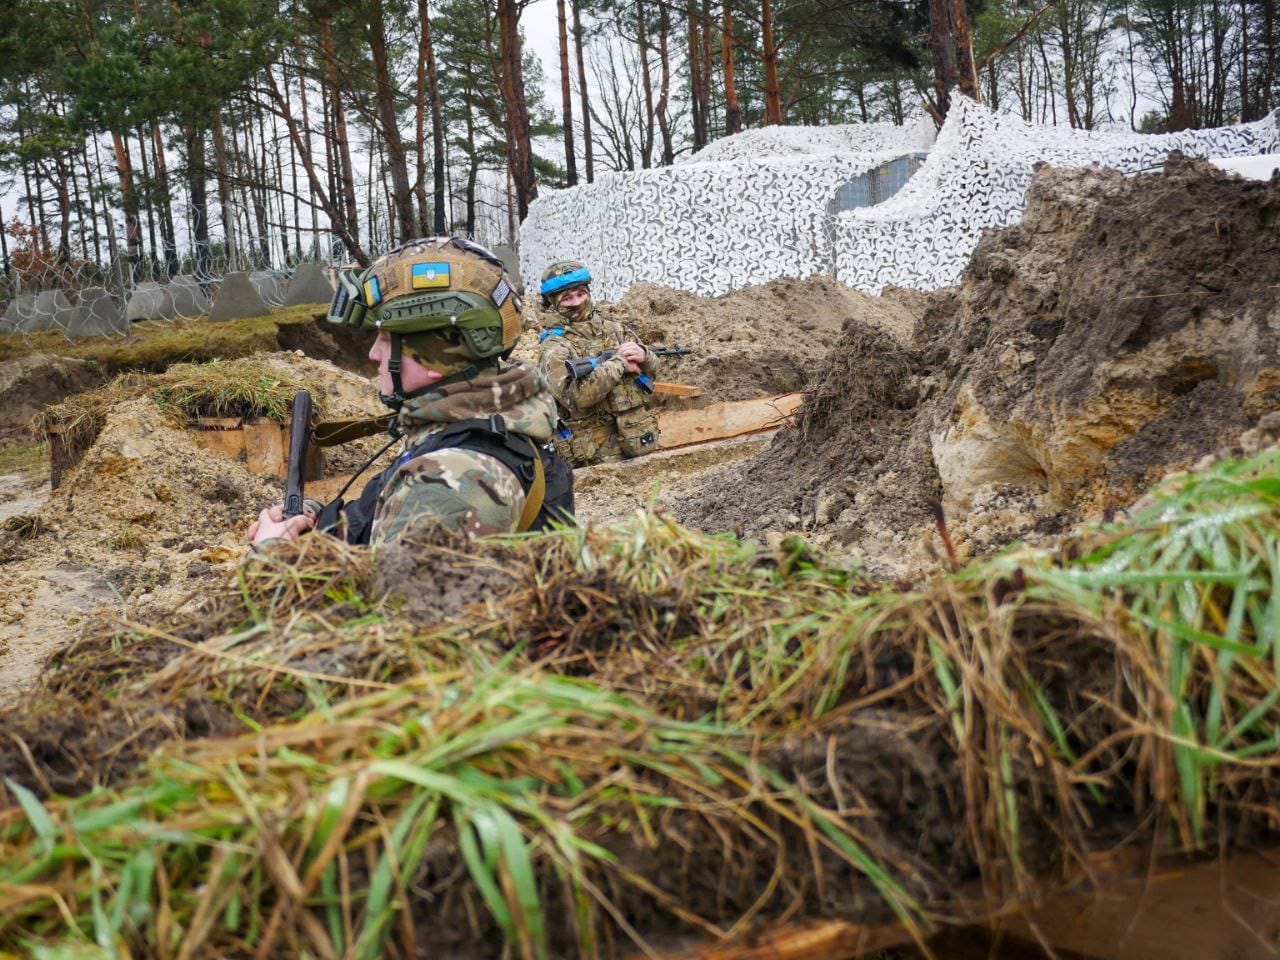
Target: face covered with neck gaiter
(578, 308)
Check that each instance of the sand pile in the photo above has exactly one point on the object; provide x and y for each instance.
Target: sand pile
(1126, 328)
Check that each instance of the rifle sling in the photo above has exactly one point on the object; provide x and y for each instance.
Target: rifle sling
(536, 494)
(335, 432)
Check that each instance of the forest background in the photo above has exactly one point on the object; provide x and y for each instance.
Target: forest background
(143, 139)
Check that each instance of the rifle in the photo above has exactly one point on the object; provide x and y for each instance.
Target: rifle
(580, 367)
(299, 439)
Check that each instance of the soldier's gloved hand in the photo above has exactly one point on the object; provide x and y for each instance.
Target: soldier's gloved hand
(272, 525)
(633, 353)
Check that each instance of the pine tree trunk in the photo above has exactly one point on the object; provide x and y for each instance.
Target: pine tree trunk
(93, 206)
(440, 209)
(132, 231)
(473, 167)
(521, 154)
(708, 70)
(940, 44)
(966, 69)
(772, 95)
(350, 226)
(199, 200)
(384, 95)
(732, 110)
(325, 197)
(664, 90)
(695, 82)
(167, 233)
(642, 40)
(566, 97)
(582, 93)
(420, 118)
(148, 198)
(306, 132)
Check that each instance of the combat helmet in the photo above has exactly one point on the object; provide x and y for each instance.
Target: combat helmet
(560, 276)
(446, 299)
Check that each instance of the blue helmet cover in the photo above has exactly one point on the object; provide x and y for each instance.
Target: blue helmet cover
(572, 279)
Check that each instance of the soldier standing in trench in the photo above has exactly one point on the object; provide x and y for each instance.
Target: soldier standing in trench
(476, 430)
(606, 414)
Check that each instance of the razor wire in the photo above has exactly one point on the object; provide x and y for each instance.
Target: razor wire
(83, 298)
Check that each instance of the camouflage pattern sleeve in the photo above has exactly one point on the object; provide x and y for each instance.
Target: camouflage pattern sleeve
(578, 396)
(462, 490)
(651, 363)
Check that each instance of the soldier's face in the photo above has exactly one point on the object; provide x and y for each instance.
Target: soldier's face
(414, 375)
(573, 297)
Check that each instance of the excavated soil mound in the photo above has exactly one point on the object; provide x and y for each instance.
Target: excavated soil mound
(144, 519)
(1126, 328)
(754, 342)
(29, 384)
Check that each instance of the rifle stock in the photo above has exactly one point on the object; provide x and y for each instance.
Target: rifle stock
(299, 440)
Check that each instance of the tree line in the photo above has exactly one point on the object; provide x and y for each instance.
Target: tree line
(161, 137)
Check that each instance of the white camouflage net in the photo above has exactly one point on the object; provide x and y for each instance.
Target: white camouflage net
(711, 227)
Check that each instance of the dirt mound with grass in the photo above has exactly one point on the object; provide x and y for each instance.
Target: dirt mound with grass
(757, 341)
(1125, 328)
(30, 383)
(683, 736)
(146, 516)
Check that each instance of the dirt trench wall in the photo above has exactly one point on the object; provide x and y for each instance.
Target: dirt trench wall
(1126, 328)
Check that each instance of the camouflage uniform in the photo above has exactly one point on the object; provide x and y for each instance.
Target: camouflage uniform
(448, 303)
(464, 490)
(606, 413)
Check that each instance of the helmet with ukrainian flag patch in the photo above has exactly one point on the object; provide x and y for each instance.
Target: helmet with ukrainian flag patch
(451, 289)
(560, 276)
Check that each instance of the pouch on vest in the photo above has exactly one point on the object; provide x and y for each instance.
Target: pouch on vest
(627, 395)
(638, 431)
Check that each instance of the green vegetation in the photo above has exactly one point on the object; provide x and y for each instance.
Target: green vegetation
(28, 459)
(155, 345)
(657, 729)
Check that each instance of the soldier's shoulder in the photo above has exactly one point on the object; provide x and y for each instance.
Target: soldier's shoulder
(464, 490)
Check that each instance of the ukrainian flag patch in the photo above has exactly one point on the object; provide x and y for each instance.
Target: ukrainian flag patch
(372, 292)
(430, 276)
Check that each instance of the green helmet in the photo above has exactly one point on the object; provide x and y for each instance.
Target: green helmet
(562, 275)
(446, 299)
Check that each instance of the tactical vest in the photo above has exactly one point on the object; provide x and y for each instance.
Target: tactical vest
(624, 412)
(488, 436)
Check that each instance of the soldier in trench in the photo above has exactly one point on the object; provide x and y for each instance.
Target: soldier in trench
(606, 413)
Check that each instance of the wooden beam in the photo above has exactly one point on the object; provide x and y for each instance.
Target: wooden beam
(719, 421)
(1224, 909)
(677, 389)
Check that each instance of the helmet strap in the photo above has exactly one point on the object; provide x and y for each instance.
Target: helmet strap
(396, 399)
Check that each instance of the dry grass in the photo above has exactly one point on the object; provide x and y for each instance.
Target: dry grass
(246, 387)
(155, 345)
(646, 730)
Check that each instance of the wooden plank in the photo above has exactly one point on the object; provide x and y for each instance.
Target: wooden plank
(719, 421)
(229, 443)
(1226, 909)
(677, 389)
(266, 445)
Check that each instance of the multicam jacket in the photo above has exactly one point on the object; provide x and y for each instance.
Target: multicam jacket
(608, 416)
(464, 490)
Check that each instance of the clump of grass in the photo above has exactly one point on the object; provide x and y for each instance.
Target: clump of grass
(651, 729)
(128, 538)
(246, 387)
(226, 388)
